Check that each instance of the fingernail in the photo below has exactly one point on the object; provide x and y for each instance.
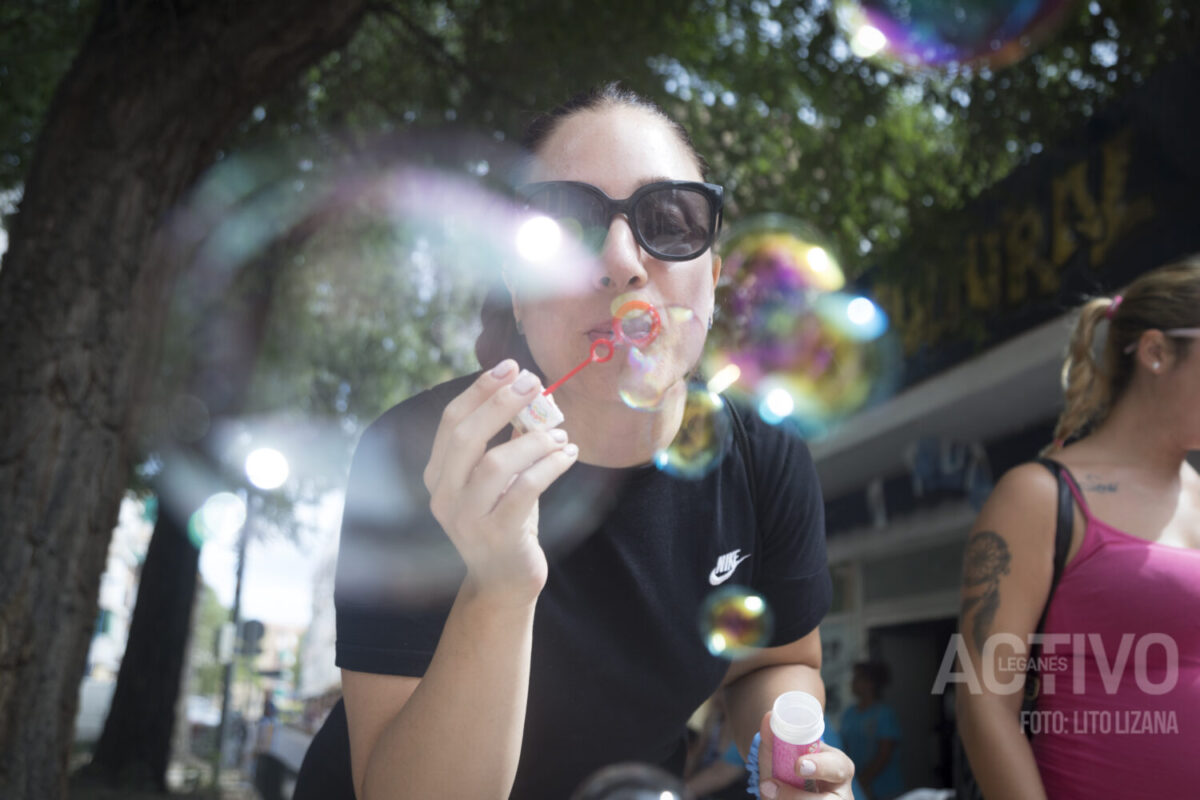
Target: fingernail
(807, 767)
(571, 450)
(558, 435)
(525, 382)
(503, 368)
(768, 789)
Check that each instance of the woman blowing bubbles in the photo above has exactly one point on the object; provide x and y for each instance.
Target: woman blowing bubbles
(1118, 714)
(544, 670)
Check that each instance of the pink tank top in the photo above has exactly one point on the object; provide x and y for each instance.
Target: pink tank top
(1119, 712)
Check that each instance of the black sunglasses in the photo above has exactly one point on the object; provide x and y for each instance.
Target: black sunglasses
(671, 220)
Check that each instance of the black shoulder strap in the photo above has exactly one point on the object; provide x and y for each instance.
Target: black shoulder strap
(1062, 531)
(1062, 543)
(743, 444)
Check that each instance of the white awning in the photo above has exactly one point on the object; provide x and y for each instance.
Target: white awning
(1012, 386)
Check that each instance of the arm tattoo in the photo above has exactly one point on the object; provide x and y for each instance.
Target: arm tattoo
(987, 560)
(1097, 484)
(984, 617)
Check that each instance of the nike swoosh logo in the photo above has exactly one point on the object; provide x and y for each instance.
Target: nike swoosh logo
(716, 578)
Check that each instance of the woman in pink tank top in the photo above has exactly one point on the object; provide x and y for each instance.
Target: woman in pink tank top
(1119, 710)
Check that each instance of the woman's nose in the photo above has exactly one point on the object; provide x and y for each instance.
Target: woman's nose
(621, 258)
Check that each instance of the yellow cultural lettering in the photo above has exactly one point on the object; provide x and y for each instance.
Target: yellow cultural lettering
(1119, 216)
(983, 281)
(1024, 238)
(1071, 188)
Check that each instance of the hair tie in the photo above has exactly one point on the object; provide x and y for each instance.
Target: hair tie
(1113, 306)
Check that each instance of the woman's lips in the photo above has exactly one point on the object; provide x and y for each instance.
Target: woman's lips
(597, 333)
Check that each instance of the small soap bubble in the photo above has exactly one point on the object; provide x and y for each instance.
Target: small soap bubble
(735, 621)
(631, 781)
(679, 315)
(643, 383)
(660, 345)
(219, 518)
(703, 440)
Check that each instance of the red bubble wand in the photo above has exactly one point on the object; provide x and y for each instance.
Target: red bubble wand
(603, 349)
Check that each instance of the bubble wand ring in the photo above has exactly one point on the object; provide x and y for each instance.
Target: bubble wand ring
(603, 349)
(624, 311)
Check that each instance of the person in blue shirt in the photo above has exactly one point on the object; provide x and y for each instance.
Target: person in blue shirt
(871, 734)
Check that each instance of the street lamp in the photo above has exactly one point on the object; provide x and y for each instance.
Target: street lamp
(267, 469)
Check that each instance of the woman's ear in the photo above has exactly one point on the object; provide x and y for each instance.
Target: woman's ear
(1154, 351)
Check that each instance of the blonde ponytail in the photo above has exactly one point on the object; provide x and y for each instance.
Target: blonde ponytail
(1087, 386)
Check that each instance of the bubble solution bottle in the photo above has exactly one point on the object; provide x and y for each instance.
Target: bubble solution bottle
(798, 722)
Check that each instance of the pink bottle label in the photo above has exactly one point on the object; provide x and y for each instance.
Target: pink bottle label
(784, 758)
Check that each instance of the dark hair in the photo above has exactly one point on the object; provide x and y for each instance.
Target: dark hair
(499, 338)
(604, 96)
(876, 672)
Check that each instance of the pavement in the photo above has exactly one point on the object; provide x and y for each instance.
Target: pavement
(191, 777)
(190, 781)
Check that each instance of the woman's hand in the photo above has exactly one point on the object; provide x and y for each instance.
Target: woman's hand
(487, 500)
(829, 773)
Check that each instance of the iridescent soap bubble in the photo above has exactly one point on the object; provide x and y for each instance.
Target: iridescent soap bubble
(631, 781)
(777, 258)
(219, 518)
(644, 382)
(842, 363)
(735, 621)
(941, 33)
(322, 284)
(791, 343)
(703, 440)
(657, 345)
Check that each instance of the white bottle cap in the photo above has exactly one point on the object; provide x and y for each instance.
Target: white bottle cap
(797, 718)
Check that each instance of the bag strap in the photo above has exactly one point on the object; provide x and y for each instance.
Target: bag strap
(1062, 544)
(743, 444)
(1062, 532)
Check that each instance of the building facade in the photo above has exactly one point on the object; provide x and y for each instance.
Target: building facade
(982, 302)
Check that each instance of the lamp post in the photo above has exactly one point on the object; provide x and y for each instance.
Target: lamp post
(267, 469)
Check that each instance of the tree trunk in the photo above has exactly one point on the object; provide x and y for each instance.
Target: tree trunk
(135, 747)
(153, 93)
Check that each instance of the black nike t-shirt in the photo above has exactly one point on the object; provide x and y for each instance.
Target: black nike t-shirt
(618, 661)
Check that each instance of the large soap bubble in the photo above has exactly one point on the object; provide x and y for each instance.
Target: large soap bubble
(319, 288)
(940, 33)
(792, 341)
